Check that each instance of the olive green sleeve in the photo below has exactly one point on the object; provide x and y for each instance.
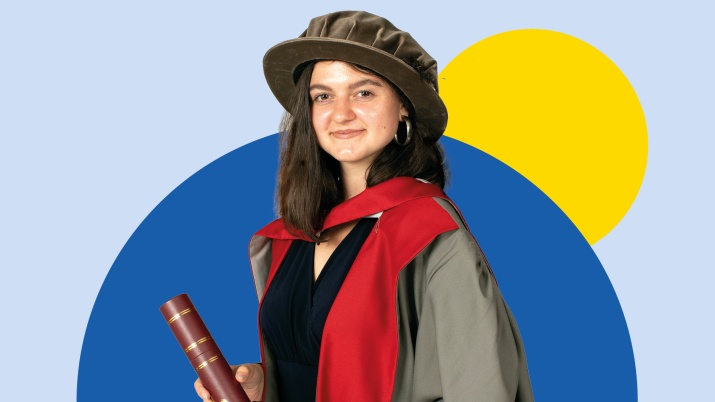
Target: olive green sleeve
(462, 343)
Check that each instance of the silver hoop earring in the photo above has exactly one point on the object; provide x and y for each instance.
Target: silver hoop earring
(408, 135)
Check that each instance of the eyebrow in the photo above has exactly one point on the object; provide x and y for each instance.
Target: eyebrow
(366, 81)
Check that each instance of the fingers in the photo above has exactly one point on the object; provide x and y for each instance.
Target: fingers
(249, 375)
(201, 391)
(251, 378)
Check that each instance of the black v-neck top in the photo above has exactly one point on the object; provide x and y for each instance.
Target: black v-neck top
(295, 308)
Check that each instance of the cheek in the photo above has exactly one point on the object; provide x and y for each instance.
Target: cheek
(319, 119)
(388, 122)
(381, 118)
(320, 126)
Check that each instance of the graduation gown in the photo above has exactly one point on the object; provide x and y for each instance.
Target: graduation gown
(419, 316)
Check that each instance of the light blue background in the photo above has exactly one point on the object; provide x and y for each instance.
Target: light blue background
(105, 107)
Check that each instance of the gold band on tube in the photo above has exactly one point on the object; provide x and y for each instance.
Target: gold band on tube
(197, 343)
(206, 363)
(179, 314)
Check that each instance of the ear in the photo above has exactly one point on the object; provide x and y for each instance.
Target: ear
(403, 113)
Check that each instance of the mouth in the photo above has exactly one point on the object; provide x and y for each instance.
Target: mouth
(346, 134)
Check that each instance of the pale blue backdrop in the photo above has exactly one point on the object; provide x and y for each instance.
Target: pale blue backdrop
(105, 107)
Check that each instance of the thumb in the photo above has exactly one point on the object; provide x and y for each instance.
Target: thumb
(247, 375)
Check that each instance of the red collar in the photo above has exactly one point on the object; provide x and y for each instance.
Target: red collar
(373, 200)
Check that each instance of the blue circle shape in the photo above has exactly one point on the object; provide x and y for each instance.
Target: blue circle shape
(195, 241)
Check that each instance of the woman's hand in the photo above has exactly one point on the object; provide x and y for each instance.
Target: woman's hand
(249, 375)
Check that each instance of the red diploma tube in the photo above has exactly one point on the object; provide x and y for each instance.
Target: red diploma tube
(202, 351)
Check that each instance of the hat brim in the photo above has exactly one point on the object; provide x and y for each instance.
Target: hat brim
(281, 61)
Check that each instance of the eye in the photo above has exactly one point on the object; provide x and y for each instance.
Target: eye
(321, 97)
(364, 94)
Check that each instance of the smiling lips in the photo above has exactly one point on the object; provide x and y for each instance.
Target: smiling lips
(346, 134)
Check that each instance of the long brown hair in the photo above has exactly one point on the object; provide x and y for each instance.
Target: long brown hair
(308, 177)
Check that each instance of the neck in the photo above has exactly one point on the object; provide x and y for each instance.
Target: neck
(353, 179)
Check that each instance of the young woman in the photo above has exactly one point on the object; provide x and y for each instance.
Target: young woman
(371, 287)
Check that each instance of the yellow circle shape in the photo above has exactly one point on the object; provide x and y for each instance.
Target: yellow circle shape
(559, 112)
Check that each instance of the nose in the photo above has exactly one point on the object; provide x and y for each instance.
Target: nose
(343, 110)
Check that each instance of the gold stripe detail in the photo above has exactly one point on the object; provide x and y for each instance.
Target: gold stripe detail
(206, 363)
(179, 314)
(197, 343)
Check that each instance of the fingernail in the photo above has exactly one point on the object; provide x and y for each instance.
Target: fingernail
(241, 377)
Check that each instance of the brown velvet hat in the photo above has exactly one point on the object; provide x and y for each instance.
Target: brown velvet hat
(369, 41)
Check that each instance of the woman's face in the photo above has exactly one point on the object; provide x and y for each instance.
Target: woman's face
(354, 114)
